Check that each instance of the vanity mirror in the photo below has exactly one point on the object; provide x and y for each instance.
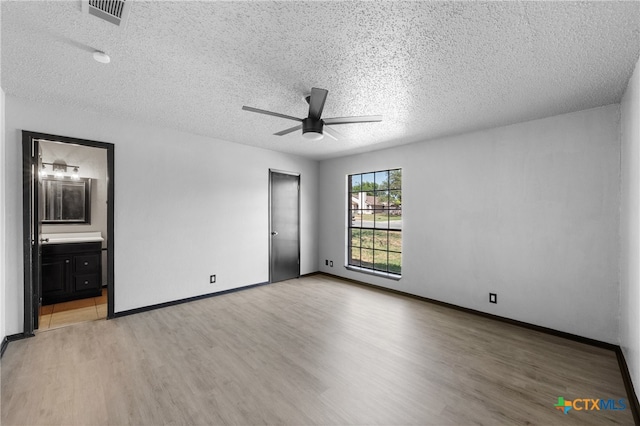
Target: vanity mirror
(66, 200)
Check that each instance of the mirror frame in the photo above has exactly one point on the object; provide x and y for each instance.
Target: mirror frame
(85, 202)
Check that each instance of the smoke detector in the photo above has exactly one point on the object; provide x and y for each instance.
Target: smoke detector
(101, 57)
(114, 11)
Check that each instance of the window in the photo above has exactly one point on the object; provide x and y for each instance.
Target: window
(375, 221)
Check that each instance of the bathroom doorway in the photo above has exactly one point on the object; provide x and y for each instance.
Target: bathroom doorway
(68, 230)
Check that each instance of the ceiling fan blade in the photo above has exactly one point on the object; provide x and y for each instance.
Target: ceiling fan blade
(316, 102)
(289, 130)
(275, 114)
(346, 120)
(331, 133)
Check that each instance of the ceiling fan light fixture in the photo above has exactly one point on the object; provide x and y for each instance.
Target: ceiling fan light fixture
(313, 136)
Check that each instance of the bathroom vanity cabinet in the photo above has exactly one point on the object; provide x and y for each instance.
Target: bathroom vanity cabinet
(71, 271)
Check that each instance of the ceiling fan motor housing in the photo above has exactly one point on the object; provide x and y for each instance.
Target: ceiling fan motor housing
(309, 125)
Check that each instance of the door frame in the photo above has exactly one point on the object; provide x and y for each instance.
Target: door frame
(282, 172)
(30, 218)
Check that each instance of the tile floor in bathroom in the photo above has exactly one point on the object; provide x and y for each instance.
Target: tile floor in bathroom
(67, 313)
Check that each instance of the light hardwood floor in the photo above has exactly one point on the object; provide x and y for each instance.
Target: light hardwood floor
(69, 313)
(309, 351)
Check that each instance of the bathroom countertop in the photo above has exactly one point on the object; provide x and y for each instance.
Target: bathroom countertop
(72, 237)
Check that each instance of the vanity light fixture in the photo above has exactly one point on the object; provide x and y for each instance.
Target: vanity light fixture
(59, 169)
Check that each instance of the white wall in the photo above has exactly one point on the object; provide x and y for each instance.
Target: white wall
(630, 227)
(528, 211)
(186, 206)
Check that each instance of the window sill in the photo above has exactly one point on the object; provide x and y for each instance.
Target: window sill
(394, 277)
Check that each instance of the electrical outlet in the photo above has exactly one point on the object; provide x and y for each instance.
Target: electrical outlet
(326, 262)
(493, 298)
(331, 263)
(212, 279)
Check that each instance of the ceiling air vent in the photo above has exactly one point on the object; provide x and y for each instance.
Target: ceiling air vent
(114, 11)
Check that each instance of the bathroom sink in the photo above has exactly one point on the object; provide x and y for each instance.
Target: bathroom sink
(71, 237)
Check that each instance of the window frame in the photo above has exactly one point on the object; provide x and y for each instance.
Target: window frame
(383, 199)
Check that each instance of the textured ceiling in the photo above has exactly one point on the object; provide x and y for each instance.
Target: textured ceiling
(430, 68)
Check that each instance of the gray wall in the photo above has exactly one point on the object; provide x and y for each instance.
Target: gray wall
(528, 211)
(630, 228)
(186, 207)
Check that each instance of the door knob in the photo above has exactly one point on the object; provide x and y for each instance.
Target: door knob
(274, 233)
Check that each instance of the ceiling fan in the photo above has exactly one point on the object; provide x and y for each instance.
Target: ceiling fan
(313, 126)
